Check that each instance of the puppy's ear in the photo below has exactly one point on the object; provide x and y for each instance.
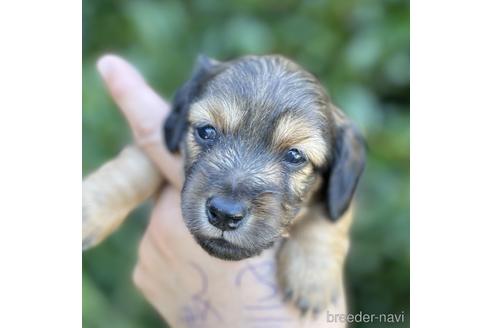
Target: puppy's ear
(347, 165)
(177, 122)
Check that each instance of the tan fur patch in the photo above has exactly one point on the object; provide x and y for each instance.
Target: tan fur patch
(224, 116)
(192, 147)
(311, 261)
(298, 180)
(295, 132)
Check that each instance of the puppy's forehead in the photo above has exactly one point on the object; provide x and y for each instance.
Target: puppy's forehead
(267, 98)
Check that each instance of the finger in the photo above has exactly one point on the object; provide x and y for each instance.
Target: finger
(144, 110)
(141, 106)
(168, 230)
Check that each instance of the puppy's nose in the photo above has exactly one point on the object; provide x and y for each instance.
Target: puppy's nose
(225, 213)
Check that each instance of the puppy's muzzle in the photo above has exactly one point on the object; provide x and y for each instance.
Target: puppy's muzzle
(225, 213)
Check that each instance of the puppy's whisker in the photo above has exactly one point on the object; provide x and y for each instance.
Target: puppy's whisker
(270, 191)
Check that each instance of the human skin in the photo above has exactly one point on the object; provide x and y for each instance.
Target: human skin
(188, 287)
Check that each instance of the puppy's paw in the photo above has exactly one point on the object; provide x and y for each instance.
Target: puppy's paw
(308, 277)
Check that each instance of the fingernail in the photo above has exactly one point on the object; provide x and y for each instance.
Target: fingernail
(104, 66)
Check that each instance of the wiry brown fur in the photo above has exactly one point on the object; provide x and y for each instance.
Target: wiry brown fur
(261, 107)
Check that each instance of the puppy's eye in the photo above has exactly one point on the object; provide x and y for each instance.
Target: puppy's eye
(294, 156)
(206, 132)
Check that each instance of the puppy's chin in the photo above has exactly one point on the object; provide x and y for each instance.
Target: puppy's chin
(225, 250)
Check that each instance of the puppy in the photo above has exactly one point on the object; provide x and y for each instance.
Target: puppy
(266, 154)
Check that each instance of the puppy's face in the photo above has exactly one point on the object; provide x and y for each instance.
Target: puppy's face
(259, 137)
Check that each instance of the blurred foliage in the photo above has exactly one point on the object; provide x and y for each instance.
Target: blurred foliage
(358, 49)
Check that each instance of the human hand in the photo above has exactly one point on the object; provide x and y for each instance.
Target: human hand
(185, 285)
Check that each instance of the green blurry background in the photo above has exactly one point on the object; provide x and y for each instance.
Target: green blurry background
(358, 49)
